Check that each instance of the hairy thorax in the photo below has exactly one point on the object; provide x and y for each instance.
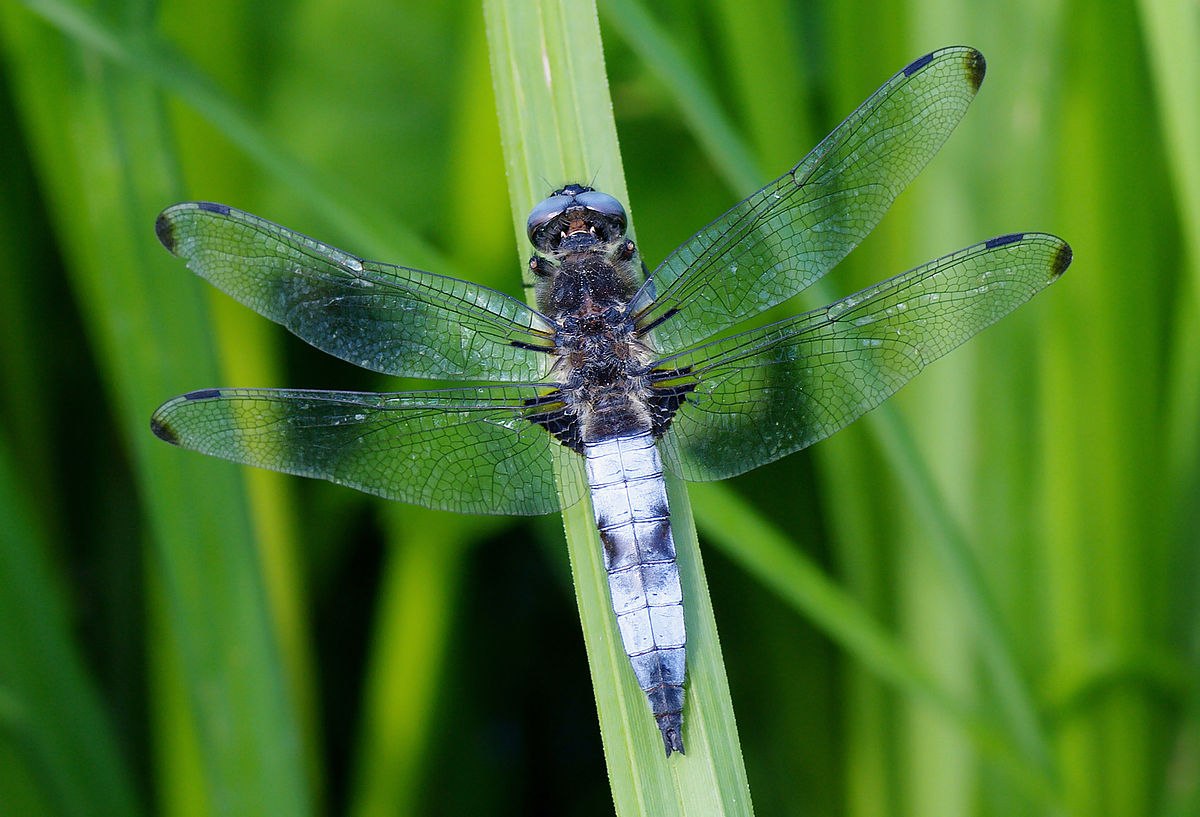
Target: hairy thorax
(602, 363)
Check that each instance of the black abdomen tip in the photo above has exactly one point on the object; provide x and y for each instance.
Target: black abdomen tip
(671, 726)
(1062, 260)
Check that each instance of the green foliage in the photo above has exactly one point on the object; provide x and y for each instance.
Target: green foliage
(981, 599)
(566, 127)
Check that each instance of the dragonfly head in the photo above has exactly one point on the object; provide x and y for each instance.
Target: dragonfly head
(576, 218)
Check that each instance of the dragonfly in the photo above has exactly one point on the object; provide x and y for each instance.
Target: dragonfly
(615, 365)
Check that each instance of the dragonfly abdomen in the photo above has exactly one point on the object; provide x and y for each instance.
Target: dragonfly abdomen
(629, 498)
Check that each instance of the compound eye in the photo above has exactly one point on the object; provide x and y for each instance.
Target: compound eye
(603, 204)
(546, 211)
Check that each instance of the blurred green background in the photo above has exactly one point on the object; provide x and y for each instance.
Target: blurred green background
(982, 601)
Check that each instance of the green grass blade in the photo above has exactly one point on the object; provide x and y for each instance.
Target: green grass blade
(715, 133)
(556, 124)
(1106, 465)
(424, 569)
(697, 105)
(748, 540)
(1052, 464)
(52, 723)
(1172, 42)
(156, 61)
(105, 162)
(429, 554)
(768, 75)
(1172, 34)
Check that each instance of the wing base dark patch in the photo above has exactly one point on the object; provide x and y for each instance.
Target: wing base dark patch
(665, 400)
(562, 424)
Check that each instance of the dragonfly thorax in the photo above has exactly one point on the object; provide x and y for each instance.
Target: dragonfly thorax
(603, 367)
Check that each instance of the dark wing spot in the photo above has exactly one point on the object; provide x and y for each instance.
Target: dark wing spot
(976, 68)
(1001, 240)
(917, 64)
(202, 394)
(213, 207)
(1062, 260)
(165, 230)
(163, 431)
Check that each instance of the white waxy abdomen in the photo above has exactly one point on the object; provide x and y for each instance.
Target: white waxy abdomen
(629, 498)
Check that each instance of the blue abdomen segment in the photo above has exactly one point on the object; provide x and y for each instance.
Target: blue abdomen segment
(629, 498)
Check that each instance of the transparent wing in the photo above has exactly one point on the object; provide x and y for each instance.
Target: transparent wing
(757, 396)
(390, 319)
(790, 233)
(470, 450)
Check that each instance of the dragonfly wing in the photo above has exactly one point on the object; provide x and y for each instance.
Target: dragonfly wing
(387, 318)
(791, 232)
(470, 450)
(757, 396)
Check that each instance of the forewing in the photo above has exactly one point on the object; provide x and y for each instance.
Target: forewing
(469, 450)
(791, 232)
(757, 396)
(390, 319)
